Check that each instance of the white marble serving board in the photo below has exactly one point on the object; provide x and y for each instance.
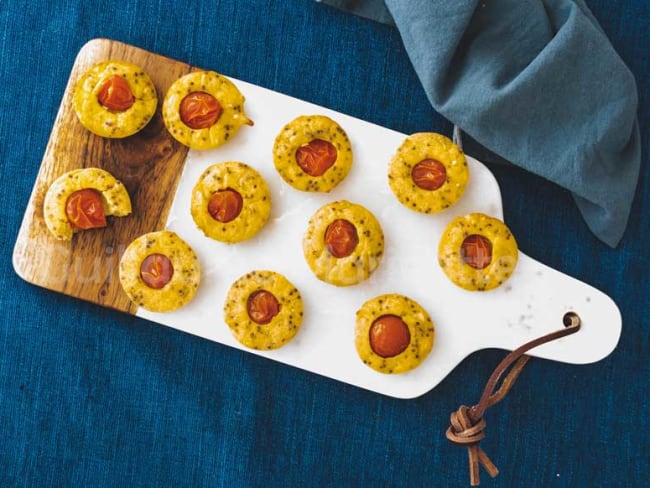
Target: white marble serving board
(531, 303)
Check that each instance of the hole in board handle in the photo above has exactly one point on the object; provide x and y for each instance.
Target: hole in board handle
(571, 319)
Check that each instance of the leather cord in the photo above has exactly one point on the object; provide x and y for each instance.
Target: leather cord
(467, 423)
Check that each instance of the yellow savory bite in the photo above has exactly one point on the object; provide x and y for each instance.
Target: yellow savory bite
(344, 243)
(204, 109)
(115, 99)
(428, 173)
(263, 310)
(231, 202)
(393, 334)
(160, 272)
(477, 252)
(81, 199)
(312, 153)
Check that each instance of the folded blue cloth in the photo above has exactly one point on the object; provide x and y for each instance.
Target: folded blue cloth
(535, 81)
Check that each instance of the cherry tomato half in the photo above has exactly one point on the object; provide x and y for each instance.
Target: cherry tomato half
(225, 205)
(200, 110)
(429, 174)
(316, 157)
(341, 238)
(85, 209)
(115, 94)
(156, 271)
(262, 306)
(476, 251)
(389, 336)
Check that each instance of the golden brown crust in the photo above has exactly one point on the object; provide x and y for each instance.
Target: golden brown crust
(418, 321)
(302, 130)
(115, 198)
(104, 122)
(184, 282)
(224, 91)
(281, 329)
(366, 256)
(416, 148)
(504, 252)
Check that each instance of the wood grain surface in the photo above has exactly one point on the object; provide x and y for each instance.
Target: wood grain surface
(149, 163)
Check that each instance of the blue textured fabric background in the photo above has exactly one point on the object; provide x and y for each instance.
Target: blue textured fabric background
(92, 397)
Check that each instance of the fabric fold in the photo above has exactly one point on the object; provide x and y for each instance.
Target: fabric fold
(535, 81)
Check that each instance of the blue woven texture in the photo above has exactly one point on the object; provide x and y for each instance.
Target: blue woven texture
(92, 397)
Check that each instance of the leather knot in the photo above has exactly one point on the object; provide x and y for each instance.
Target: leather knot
(463, 431)
(467, 429)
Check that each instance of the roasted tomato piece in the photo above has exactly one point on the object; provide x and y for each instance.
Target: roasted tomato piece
(341, 238)
(200, 110)
(85, 209)
(389, 336)
(429, 174)
(476, 251)
(156, 271)
(316, 157)
(262, 306)
(225, 205)
(115, 94)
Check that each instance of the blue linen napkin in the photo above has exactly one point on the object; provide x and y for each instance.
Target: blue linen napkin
(535, 81)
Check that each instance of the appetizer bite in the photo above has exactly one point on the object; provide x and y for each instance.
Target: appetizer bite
(312, 153)
(477, 252)
(203, 110)
(82, 199)
(159, 271)
(115, 99)
(344, 243)
(428, 173)
(393, 334)
(263, 310)
(231, 202)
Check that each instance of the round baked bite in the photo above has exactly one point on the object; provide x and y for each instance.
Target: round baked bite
(477, 252)
(428, 173)
(115, 99)
(81, 199)
(393, 334)
(159, 271)
(343, 244)
(312, 153)
(231, 202)
(263, 310)
(203, 110)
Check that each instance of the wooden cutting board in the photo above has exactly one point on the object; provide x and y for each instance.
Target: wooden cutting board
(159, 174)
(149, 163)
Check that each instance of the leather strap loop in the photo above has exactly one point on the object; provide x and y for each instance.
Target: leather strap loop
(468, 425)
